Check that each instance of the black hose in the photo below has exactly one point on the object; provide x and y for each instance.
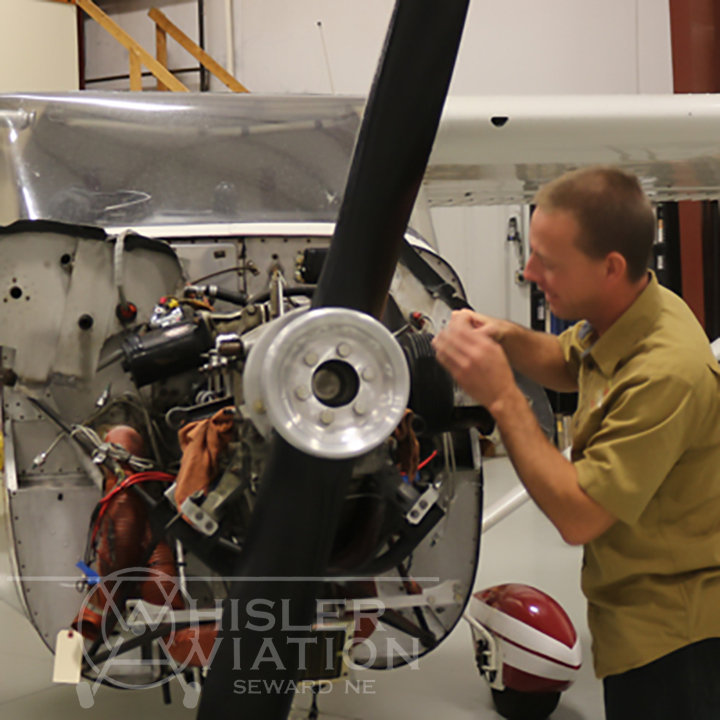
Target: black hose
(295, 290)
(410, 538)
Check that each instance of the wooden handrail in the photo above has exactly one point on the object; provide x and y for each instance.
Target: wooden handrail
(161, 52)
(135, 71)
(138, 54)
(167, 26)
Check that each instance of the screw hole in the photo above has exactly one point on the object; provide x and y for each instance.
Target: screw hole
(86, 322)
(16, 292)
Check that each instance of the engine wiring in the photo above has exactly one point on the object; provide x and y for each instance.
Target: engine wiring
(428, 459)
(420, 466)
(195, 303)
(104, 504)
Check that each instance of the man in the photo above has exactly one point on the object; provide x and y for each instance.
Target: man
(642, 492)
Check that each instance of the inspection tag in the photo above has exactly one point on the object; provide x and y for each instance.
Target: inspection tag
(68, 657)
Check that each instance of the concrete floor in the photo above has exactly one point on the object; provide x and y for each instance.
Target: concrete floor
(523, 548)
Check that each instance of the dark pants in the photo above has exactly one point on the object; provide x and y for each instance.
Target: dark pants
(684, 685)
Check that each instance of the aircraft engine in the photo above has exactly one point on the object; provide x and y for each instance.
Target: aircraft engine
(150, 464)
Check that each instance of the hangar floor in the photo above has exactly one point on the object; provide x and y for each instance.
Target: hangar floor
(523, 548)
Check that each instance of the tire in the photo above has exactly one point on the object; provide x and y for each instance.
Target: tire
(516, 705)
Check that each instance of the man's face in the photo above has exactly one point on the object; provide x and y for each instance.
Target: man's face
(571, 280)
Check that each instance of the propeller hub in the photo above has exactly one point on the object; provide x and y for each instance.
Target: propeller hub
(334, 382)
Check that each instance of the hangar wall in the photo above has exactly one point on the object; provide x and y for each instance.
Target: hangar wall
(38, 46)
(510, 47)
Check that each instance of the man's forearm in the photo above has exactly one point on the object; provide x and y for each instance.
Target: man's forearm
(549, 478)
(537, 355)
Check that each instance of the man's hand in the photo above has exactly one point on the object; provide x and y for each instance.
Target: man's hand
(537, 355)
(494, 327)
(469, 348)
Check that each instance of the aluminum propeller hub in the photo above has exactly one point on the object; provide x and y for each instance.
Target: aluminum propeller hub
(334, 383)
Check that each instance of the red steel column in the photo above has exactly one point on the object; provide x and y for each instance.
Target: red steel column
(695, 32)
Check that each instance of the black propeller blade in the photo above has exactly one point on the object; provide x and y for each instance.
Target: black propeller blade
(293, 525)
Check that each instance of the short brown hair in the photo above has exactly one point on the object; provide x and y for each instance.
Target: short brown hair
(613, 213)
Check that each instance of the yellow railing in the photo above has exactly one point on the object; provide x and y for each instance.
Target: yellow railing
(138, 55)
(158, 65)
(164, 27)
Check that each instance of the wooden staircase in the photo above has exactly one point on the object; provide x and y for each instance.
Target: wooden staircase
(158, 65)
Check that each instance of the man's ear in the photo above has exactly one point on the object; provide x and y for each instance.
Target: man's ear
(615, 267)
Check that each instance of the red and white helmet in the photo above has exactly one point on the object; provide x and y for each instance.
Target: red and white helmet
(526, 640)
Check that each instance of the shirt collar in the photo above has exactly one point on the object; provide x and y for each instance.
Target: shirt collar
(624, 334)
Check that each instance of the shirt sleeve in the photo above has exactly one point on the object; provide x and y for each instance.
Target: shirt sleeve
(647, 428)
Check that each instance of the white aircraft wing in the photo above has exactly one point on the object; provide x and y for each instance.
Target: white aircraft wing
(500, 150)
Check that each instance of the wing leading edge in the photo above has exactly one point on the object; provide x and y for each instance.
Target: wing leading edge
(500, 150)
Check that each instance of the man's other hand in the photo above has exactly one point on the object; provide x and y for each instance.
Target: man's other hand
(469, 348)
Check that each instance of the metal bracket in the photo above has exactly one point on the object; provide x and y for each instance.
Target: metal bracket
(198, 518)
(170, 494)
(422, 507)
(443, 595)
(489, 654)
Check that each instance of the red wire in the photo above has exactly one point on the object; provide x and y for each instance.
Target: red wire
(129, 481)
(427, 460)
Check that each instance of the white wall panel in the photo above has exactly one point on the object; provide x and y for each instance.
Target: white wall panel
(38, 46)
(654, 53)
(521, 47)
(279, 46)
(509, 47)
(473, 240)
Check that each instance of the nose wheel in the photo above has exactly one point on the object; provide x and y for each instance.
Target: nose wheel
(516, 705)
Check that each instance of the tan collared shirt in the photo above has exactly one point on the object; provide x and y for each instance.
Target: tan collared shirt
(646, 447)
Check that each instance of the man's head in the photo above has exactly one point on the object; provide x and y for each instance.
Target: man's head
(612, 211)
(591, 237)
